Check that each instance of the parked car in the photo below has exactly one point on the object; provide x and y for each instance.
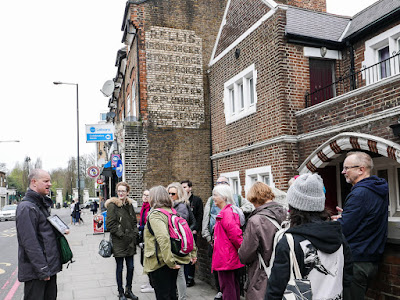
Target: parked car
(8, 212)
(88, 204)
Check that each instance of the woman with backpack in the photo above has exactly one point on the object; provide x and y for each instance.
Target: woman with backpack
(181, 204)
(122, 224)
(322, 253)
(159, 262)
(258, 238)
(227, 240)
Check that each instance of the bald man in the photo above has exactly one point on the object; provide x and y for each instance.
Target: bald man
(38, 254)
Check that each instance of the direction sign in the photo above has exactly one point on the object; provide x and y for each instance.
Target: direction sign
(99, 133)
(119, 168)
(114, 159)
(93, 171)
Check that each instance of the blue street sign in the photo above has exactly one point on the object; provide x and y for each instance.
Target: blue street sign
(119, 168)
(114, 159)
(99, 133)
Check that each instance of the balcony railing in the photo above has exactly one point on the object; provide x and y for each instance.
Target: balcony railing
(366, 76)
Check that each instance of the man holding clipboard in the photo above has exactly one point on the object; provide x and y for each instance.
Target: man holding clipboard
(38, 253)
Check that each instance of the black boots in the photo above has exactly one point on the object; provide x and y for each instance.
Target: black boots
(129, 294)
(121, 296)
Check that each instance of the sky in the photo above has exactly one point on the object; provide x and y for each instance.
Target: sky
(73, 41)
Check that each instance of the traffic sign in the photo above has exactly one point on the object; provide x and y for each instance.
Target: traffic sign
(119, 168)
(114, 159)
(99, 133)
(100, 181)
(93, 171)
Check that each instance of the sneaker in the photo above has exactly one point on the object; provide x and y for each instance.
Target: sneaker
(190, 283)
(147, 290)
(218, 296)
(145, 286)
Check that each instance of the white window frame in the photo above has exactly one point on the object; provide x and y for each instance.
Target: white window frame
(232, 178)
(371, 54)
(258, 174)
(236, 109)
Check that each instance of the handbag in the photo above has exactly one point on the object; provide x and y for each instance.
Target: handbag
(105, 247)
(297, 288)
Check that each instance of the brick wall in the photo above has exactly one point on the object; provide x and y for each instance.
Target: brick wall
(318, 5)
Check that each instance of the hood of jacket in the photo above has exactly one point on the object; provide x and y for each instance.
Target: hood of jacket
(326, 236)
(273, 210)
(374, 184)
(118, 202)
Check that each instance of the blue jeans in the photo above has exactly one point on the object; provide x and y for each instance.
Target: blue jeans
(129, 271)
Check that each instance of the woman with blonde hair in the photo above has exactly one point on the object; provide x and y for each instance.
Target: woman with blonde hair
(181, 204)
(258, 237)
(159, 262)
(122, 224)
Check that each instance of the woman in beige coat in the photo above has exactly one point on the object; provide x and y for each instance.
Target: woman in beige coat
(259, 237)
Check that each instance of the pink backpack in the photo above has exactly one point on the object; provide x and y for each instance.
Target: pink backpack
(182, 242)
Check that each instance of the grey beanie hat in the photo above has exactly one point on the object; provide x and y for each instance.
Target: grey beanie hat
(307, 193)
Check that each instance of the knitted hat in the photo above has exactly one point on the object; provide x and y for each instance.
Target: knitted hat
(307, 193)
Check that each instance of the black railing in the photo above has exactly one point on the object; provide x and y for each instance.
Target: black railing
(366, 76)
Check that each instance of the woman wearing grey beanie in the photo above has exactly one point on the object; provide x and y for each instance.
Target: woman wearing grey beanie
(321, 250)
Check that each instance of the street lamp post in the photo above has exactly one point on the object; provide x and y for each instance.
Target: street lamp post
(77, 130)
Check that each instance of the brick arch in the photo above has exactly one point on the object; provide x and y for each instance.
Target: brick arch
(333, 147)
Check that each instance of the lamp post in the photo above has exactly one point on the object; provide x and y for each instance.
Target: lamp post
(77, 130)
(11, 141)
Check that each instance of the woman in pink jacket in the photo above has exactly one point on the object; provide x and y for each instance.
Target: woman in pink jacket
(227, 240)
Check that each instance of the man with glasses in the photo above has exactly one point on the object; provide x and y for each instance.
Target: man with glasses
(364, 220)
(209, 218)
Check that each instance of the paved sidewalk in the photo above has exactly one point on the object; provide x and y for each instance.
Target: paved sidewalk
(93, 277)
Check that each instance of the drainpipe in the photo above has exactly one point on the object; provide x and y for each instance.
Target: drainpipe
(352, 67)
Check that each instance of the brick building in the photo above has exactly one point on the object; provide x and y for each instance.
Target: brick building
(293, 89)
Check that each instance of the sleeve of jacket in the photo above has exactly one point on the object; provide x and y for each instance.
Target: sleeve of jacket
(112, 223)
(233, 231)
(205, 232)
(192, 220)
(280, 272)
(28, 218)
(248, 249)
(160, 229)
(348, 264)
(247, 207)
(199, 214)
(353, 213)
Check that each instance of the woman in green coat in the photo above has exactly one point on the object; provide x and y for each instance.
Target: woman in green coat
(122, 224)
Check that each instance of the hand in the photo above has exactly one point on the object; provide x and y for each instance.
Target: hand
(194, 232)
(66, 231)
(193, 260)
(339, 215)
(176, 267)
(47, 278)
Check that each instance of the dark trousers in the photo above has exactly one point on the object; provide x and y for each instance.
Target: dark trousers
(129, 271)
(40, 289)
(164, 283)
(229, 281)
(190, 269)
(363, 273)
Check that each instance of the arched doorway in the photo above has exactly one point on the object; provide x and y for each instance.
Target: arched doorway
(328, 159)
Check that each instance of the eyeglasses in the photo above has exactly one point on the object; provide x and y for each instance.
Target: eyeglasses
(221, 182)
(348, 168)
(146, 195)
(121, 191)
(172, 194)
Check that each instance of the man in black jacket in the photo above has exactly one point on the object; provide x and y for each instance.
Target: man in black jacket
(196, 205)
(38, 254)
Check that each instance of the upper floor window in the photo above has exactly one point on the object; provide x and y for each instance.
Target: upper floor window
(240, 96)
(380, 56)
